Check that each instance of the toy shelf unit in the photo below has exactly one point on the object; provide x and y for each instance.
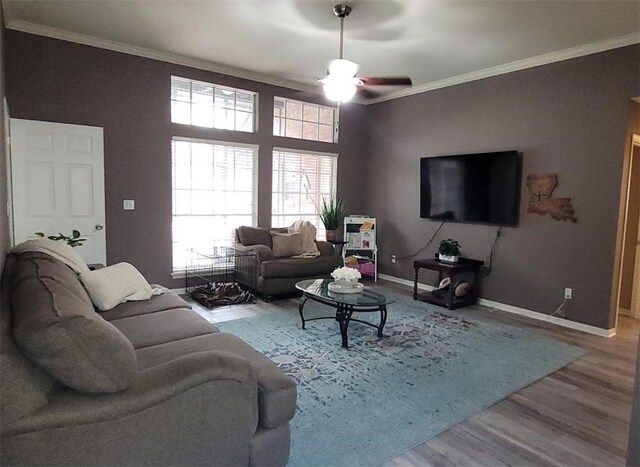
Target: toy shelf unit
(361, 251)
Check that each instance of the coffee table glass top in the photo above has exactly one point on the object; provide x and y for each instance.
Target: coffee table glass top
(319, 288)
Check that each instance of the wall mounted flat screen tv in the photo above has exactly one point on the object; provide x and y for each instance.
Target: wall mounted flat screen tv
(473, 188)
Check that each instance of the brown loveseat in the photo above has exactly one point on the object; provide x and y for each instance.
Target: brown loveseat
(145, 383)
(277, 276)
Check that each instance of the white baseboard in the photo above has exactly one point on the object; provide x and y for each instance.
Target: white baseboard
(550, 319)
(517, 310)
(399, 280)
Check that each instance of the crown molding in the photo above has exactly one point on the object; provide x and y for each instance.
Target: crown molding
(545, 59)
(566, 54)
(40, 30)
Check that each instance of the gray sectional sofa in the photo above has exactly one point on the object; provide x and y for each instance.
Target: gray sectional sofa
(146, 383)
(278, 276)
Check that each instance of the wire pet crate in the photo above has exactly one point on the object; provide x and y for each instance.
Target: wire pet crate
(221, 276)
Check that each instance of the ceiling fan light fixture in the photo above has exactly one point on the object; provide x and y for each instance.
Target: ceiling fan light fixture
(342, 69)
(341, 83)
(339, 90)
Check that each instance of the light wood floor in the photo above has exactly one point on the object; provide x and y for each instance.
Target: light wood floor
(577, 416)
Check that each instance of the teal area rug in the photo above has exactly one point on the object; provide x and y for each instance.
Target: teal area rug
(381, 397)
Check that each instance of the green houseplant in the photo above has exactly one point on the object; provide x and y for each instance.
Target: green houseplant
(449, 250)
(72, 240)
(331, 213)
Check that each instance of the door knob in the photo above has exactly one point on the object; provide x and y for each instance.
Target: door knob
(99, 226)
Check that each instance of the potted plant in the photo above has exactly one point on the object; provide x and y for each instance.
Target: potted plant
(72, 240)
(449, 250)
(331, 213)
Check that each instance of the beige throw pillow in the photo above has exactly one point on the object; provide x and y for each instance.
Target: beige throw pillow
(286, 245)
(115, 284)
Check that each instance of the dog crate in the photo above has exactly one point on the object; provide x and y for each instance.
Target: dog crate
(214, 271)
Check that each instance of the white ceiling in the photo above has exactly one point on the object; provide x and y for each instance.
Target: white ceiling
(435, 42)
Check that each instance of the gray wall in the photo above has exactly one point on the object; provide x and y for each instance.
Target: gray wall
(128, 96)
(568, 118)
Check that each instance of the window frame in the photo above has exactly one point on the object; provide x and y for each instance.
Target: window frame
(334, 176)
(180, 272)
(254, 112)
(335, 125)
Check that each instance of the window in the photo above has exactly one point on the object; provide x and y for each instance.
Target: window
(300, 180)
(296, 119)
(212, 106)
(214, 191)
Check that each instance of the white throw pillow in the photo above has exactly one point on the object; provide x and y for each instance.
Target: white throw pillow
(115, 284)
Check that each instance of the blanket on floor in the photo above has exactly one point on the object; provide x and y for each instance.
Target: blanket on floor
(222, 293)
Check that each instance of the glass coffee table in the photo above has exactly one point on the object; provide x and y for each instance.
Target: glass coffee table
(345, 305)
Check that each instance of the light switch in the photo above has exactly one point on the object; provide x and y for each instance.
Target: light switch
(128, 204)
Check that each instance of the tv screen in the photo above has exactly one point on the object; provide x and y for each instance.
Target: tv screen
(474, 188)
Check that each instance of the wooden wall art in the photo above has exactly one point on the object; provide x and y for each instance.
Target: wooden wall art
(540, 201)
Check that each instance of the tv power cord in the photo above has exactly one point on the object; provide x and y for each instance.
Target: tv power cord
(400, 258)
(487, 269)
(560, 312)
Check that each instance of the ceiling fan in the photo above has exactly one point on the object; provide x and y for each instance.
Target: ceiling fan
(341, 83)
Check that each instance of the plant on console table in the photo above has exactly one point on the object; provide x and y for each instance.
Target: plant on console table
(331, 214)
(449, 251)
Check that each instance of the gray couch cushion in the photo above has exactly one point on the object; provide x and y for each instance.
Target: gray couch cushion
(165, 301)
(254, 236)
(276, 392)
(55, 325)
(300, 267)
(163, 326)
(24, 386)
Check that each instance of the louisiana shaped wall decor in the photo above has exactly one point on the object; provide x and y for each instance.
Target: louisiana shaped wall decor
(540, 201)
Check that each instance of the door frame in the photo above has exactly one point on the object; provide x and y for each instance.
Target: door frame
(635, 293)
(6, 122)
(622, 224)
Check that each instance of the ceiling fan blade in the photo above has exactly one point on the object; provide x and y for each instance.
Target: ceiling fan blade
(386, 81)
(367, 93)
(314, 94)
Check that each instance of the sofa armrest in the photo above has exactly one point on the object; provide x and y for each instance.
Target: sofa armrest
(155, 385)
(194, 410)
(325, 248)
(262, 252)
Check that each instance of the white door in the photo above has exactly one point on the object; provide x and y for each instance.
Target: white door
(58, 183)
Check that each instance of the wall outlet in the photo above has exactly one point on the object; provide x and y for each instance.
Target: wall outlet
(128, 204)
(568, 293)
(393, 258)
